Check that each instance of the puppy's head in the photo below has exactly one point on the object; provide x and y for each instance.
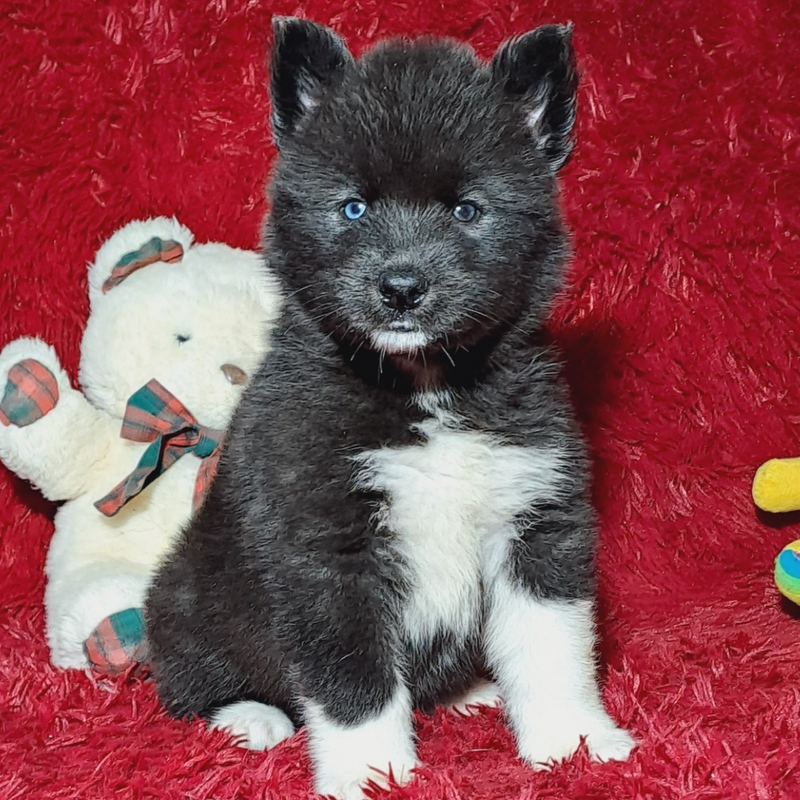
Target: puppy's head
(413, 199)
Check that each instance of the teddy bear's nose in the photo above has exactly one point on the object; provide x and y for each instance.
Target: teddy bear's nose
(234, 374)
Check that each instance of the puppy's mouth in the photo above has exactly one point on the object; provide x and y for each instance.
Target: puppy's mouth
(399, 336)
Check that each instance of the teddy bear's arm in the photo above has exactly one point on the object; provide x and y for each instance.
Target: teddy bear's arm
(49, 433)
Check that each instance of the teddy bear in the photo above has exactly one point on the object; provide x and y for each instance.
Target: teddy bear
(776, 489)
(175, 331)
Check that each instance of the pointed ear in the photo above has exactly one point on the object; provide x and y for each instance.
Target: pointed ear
(537, 70)
(306, 60)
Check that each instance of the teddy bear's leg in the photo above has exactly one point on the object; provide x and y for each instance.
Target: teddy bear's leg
(49, 433)
(93, 616)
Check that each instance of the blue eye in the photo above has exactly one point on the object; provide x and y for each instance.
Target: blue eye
(354, 209)
(465, 212)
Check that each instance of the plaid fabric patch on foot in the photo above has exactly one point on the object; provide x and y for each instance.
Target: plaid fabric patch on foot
(31, 392)
(117, 642)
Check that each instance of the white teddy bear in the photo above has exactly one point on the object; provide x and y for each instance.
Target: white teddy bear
(176, 328)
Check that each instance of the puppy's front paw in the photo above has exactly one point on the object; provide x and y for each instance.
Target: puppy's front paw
(347, 758)
(254, 726)
(347, 781)
(613, 744)
(547, 744)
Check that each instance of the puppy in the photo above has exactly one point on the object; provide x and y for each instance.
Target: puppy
(402, 498)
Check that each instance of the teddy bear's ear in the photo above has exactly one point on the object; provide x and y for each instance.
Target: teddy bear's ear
(133, 247)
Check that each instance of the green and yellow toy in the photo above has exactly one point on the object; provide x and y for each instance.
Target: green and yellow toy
(776, 488)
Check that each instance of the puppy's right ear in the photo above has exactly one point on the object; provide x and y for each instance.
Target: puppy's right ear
(537, 71)
(306, 60)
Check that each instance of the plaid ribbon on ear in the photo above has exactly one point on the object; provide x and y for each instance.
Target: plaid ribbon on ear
(155, 415)
(154, 250)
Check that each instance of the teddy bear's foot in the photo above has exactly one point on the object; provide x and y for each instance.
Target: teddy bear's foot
(118, 642)
(31, 392)
(94, 616)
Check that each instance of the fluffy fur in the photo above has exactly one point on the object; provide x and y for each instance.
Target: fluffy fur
(682, 197)
(373, 549)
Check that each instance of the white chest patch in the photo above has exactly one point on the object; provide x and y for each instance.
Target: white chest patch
(451, 502)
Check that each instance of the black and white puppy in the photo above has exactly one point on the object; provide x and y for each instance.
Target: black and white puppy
(402, 499)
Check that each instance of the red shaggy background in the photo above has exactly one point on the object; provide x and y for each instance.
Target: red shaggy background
(681, 326)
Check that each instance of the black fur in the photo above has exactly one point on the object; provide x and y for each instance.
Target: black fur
(283, 586)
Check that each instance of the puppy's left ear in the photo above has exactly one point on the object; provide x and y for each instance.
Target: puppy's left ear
(537, 70)
(306, 60)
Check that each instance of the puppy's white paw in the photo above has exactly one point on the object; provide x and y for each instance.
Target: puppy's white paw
(550, 743)
(253, 725)
(612, 744)
(481, 693)
(348, 781)
(348, 757)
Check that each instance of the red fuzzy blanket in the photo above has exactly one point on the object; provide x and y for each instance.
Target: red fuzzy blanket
(681, 326)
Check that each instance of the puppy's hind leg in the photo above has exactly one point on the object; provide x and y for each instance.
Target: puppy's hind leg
(253, 725)
(192, 675)
(192, 671)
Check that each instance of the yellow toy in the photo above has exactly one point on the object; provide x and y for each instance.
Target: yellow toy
(776, 488)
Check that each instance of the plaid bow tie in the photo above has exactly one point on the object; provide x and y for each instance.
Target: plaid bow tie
(155, 415)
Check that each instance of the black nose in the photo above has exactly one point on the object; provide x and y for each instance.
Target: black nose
(402, 290)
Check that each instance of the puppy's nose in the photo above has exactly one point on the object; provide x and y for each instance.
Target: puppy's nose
(402, 290)
(236, 375)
